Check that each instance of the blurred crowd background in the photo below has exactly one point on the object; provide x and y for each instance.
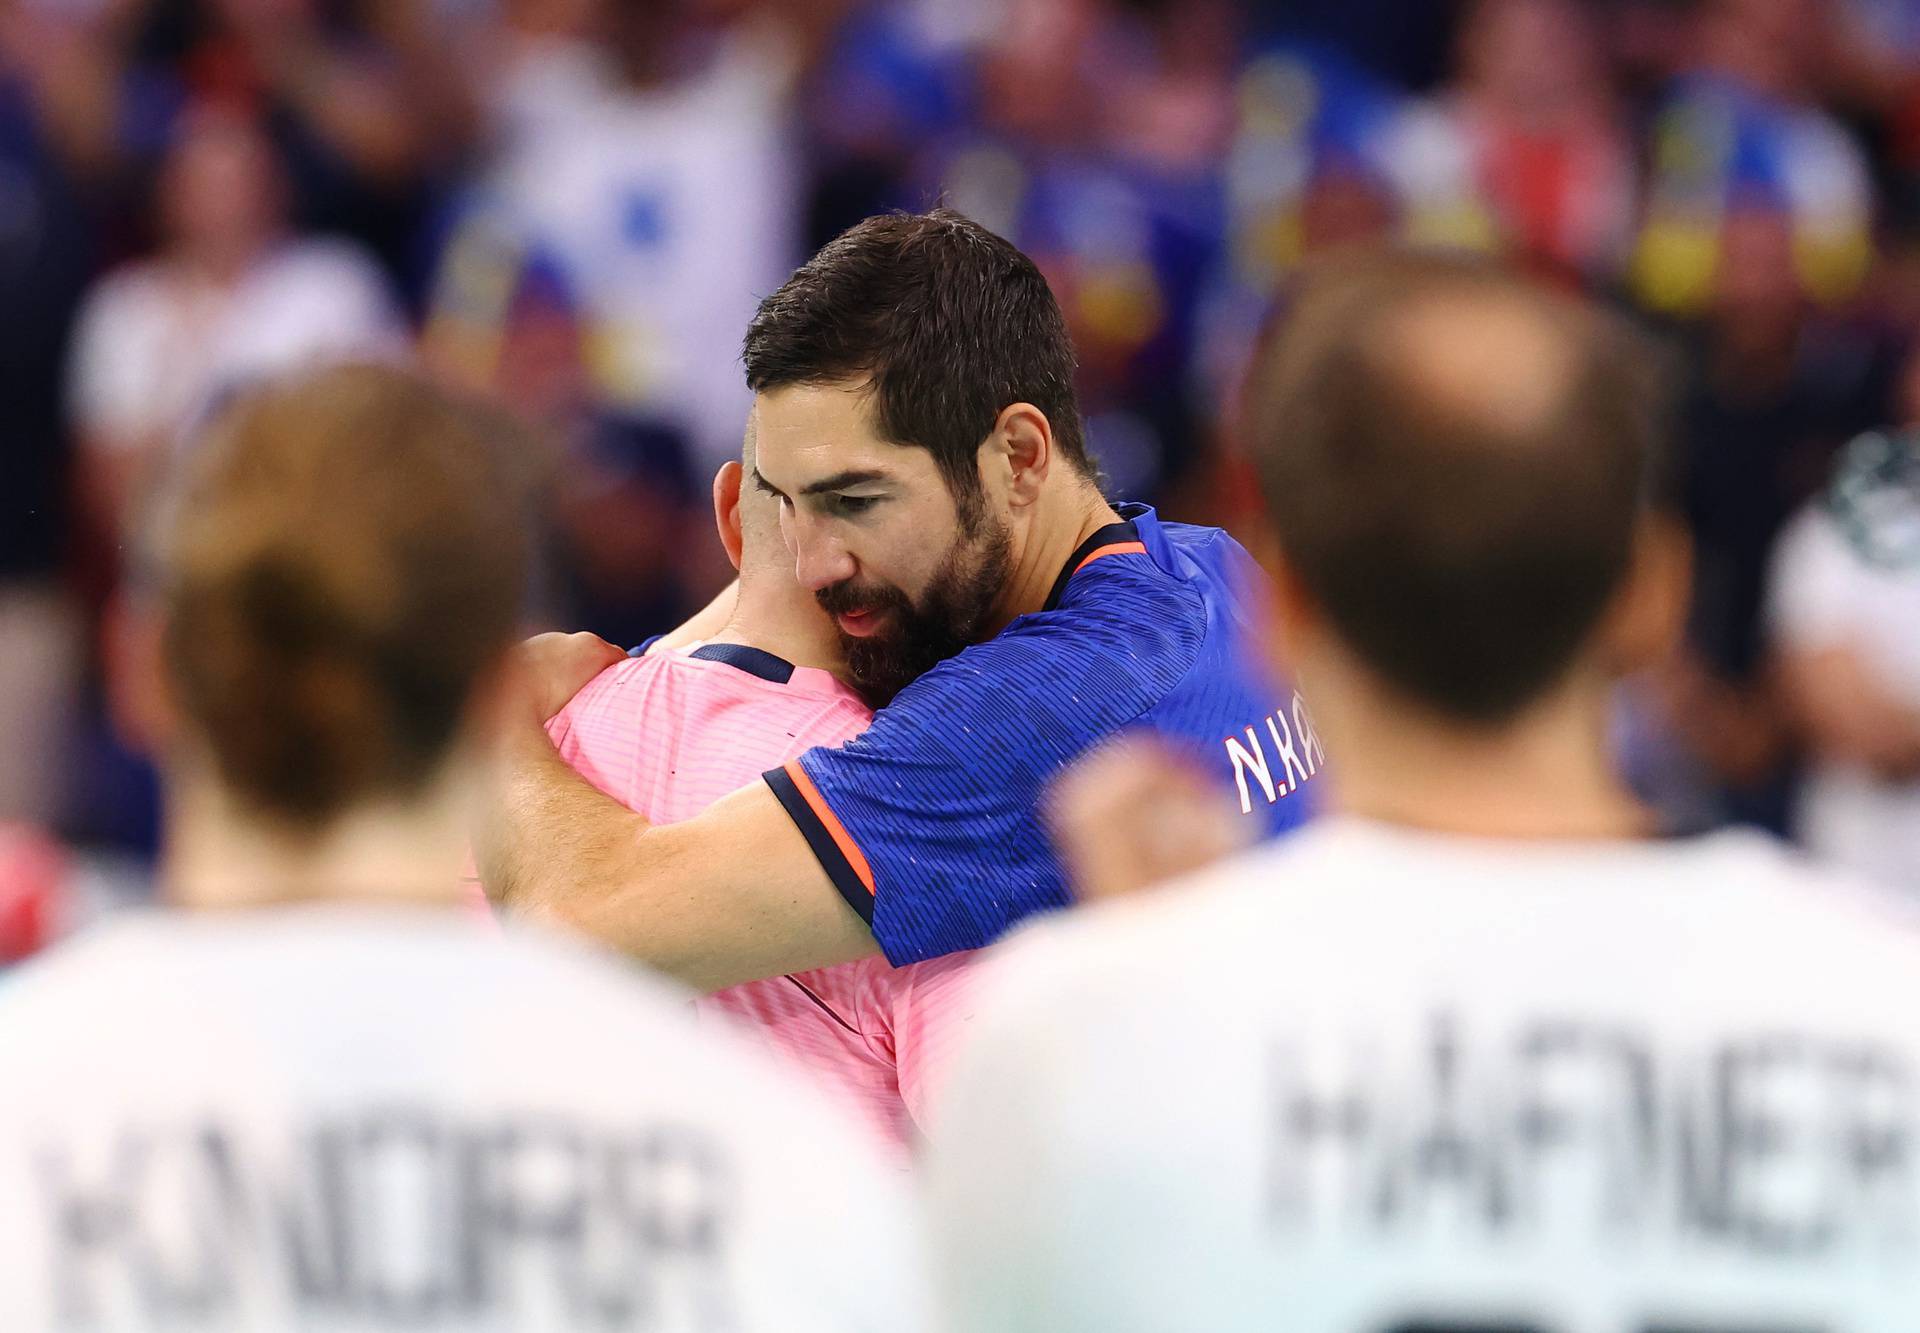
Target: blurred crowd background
(574, 205)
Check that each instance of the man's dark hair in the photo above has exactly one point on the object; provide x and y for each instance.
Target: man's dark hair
(947, 322)
(1455, 460)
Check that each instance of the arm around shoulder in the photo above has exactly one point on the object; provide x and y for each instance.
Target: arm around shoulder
(734, 895)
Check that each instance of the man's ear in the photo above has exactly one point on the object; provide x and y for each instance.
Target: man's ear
(1020, 449)
(726, 508)
(1648, 613)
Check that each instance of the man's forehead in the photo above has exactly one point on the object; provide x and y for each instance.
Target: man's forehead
(804, 435)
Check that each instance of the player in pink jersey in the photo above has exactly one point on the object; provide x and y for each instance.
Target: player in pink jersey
(670, 732)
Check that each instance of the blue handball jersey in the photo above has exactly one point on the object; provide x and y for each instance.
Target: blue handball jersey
(929, 823)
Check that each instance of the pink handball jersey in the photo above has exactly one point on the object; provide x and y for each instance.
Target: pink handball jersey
(669, 734)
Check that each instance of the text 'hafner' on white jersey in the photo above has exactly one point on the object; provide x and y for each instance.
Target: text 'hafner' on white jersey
(1373, 1080)
(330, 1118)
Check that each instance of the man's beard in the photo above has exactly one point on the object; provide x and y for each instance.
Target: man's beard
(917, 638)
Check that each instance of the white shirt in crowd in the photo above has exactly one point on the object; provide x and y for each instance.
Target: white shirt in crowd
(1372, 1079)
(669, 212)
(334, 1118)
(1825, 595)
(153, 348)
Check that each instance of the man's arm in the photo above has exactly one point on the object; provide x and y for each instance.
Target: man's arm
(733, 895)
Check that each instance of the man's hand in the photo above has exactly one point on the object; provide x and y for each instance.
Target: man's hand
(1133, 814)
(553, 668)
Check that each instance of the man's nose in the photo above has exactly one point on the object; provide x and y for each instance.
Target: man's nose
(820, 559)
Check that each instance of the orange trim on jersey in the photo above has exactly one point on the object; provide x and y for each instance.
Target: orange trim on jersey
(831, 822)
(1118, 548)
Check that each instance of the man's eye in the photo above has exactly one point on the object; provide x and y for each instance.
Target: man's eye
(852, 505)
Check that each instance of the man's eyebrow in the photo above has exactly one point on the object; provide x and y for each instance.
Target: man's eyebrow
(766, 485)
(840, 481)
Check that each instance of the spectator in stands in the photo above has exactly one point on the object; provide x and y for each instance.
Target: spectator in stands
(1092, 147)
(1326, 157)
(1774, 390)
(59, 164)
(370, 110)
(1741, 130)
(543, 63)
(231, 295)
(667, 206)
(892, 82)
(1544, 137)
(623, 543)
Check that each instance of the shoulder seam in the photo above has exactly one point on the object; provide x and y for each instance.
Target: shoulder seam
(1174, 587)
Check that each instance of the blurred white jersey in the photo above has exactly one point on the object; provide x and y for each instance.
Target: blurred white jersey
(331, 1118)
(1824, 594)
(1377, 1081)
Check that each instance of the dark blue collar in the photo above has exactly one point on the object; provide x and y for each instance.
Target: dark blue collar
(1135, 523)
(753, 661)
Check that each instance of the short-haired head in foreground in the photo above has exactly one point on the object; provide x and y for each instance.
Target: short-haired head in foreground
(755, 524)
(771, 611)
(343, 565)
(1457, 463)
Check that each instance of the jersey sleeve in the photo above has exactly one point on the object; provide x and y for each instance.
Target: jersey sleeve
(930, 823)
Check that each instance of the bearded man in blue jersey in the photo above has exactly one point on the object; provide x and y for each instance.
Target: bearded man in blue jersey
(914, 415)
